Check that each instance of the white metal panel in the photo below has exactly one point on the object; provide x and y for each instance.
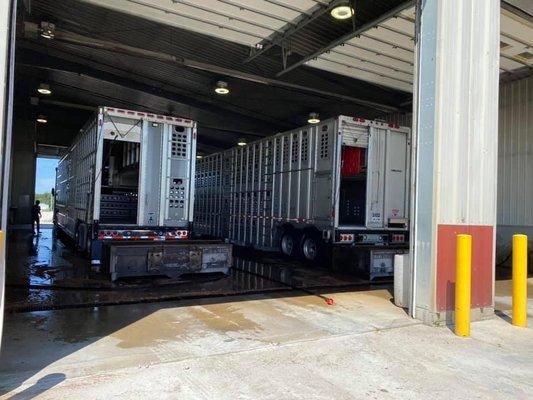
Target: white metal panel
(467, 145)
(366, 75)
(372, 58)
(515, 153)
(388, 36)
(399, 24)
(245, 22)
(352, 61)
(383, 48)
(376, 178)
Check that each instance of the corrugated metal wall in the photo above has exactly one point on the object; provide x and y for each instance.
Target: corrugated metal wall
(515, 153)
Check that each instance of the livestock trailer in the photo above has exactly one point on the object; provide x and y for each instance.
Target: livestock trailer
(342, 185)
(128, 179)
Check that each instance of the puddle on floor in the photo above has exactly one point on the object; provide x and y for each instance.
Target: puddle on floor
(43, 273)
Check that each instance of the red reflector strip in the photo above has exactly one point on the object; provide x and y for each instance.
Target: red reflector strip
(346, 238)
(398, 238)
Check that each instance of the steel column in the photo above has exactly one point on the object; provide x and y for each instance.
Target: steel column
(456, 133)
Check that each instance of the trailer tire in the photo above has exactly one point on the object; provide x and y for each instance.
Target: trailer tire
(81, 238)
(313, 247)
(289, 243)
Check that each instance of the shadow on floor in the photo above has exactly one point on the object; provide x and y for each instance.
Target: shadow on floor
(503, 316)
(44, 260)
(42, 385)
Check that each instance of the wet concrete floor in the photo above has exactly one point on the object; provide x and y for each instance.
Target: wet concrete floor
(269, 345)
(45, 273)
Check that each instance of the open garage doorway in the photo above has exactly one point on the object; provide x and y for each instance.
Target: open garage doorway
(45, 173)
(67, 317)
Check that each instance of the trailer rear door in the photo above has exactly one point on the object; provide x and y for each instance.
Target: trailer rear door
(166, 168)
(388, 176)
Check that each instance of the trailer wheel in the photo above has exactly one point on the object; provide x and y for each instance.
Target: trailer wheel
(81, 238)
(288, 243)
(312, 247)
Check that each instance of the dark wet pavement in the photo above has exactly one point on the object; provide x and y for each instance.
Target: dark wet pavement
(44, 273)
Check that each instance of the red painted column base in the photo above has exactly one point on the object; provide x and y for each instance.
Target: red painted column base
(482, 264)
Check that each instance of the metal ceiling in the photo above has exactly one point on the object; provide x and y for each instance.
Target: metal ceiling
(378, 47)
(182, 67)
(384, 53)
(166, 55)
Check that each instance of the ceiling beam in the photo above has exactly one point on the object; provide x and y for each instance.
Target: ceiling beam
(383, 17)
(280, 36)
(31, 31)
(159, 89)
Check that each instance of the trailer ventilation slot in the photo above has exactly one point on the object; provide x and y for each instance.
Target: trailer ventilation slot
(179, 145)
(305, 146)
(324, 148)
(295, 149)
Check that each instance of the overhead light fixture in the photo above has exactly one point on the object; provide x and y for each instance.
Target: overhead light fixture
(199, 157)
(343, 10)
(222, 88)
(42, 119)
(313, 118)
(241, 142)
(48, 30)
(44, 89)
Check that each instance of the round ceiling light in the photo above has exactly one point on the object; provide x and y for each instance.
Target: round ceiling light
(241, 142)
(221, 88)
(42, 119)
(199, 157)
(313, 118)
(342, 11)
(48, 30)
(44, 89)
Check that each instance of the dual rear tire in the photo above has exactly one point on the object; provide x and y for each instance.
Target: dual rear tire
(307, 245)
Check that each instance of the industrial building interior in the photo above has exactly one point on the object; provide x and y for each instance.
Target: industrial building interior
(282, 61)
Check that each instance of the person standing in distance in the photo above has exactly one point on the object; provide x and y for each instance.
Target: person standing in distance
(36, 217)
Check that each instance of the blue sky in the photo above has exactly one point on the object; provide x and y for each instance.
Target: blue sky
(46, 175)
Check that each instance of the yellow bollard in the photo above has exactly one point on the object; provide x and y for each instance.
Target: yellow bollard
(463, 274)
(520, 280)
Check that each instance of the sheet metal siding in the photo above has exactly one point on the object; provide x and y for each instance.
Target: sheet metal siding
(515, 157)
(466, 125)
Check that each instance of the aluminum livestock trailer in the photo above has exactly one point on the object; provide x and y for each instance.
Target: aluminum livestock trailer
(124, 192)
(341, 185)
